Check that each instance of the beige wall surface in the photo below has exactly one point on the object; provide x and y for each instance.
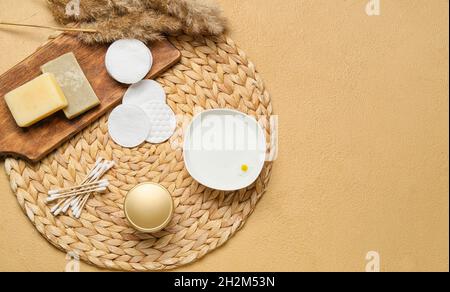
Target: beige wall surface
(363, 164)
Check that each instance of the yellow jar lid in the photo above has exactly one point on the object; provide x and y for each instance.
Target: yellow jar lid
(148, 207)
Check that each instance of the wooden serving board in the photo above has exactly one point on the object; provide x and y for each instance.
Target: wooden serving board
(35, 142)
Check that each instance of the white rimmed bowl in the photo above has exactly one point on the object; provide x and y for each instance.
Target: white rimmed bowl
(224, 149)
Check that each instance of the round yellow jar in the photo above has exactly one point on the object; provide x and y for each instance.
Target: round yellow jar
(148, 207)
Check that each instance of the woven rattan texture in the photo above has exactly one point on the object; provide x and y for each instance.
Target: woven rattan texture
(213, 73)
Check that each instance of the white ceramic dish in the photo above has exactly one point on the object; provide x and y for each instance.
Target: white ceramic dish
(218, 147)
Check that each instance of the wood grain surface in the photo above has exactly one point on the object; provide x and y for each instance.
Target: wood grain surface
(35, 142)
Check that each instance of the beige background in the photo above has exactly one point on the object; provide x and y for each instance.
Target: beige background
(363, 164)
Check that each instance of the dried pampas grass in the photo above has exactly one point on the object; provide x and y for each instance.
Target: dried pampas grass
(146, 20)
(149, 26)
(198, 16)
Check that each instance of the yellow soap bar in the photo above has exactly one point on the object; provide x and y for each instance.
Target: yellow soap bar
(36, 100)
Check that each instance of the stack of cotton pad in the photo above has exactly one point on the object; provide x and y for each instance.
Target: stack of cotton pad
(143, 116)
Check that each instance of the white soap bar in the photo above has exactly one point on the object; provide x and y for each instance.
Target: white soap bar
(144, 91)
(128, 61)
(128, 126)
(162, 120)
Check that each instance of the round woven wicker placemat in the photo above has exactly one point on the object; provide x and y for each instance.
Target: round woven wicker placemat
(213, 73)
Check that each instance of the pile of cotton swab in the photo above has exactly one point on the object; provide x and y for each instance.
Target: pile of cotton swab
(76, 197)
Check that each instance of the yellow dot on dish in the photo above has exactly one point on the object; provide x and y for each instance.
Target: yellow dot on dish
(244, 167)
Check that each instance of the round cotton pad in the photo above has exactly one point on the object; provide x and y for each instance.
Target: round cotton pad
(144, 91)
(128, 61)
(128, 125)
(162, 119)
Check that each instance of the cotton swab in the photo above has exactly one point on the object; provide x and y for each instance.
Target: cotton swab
(80, 207)
(78, 203)
(77, 196)
(95, 188)
(99, 170)
(74, 188)
(88, 177)
(54, 208)
(66, 207)
(75, 201)
(98, 190)
(81, 189)
(82, 204)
